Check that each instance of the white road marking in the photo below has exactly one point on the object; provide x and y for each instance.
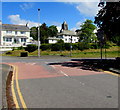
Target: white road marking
(53, 66)
(64, 73)
(33, 63)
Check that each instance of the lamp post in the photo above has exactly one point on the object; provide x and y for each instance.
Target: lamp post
(71, 47)
(38, 32)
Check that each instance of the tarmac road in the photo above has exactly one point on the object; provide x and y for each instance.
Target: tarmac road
(3, 76)
(56, 86)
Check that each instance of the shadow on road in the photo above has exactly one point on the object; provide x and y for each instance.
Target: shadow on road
(93, 64)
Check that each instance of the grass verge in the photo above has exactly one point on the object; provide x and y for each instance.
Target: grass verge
(89, 53)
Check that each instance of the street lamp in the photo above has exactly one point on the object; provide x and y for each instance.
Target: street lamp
(71, 46)
(38, 32)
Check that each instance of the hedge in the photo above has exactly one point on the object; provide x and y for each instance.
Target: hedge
(75, 46)
(31, 48)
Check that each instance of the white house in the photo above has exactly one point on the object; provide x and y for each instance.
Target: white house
(12, 35)
(66, 35)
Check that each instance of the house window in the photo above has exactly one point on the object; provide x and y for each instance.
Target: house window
(15, 32)
(9, 32)
(3, 38)
(65, 39)
(8, 39)
(74, 39)
(22, 32)
(23, 39)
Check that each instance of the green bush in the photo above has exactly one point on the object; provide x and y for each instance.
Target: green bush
(67, 46)
(57, 47)
(60, 41)
(8, 53)
(23, 54)
(94, 46)
(82, 46)
(45, 47)
(20, 48)
(31, 48)
(75, 46)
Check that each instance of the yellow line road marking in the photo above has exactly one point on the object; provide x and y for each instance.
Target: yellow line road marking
(112, 73)
(15, 75)
(19, 92)
(13, 91)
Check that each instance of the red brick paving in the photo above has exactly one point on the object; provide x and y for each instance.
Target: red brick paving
(75, 71)
(34, 71)
(29, 71)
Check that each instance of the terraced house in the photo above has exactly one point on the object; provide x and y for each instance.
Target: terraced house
(12, 35)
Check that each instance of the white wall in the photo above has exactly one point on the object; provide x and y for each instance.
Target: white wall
(52, 41)
(4, 33)
(66, 39)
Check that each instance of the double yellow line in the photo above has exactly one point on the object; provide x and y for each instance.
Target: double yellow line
(114, 74)
(15, 76)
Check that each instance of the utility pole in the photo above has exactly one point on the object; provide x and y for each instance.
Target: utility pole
(38, 32)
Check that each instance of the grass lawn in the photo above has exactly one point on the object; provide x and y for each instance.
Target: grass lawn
(89, 53)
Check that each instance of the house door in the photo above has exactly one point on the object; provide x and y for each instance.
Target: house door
(16, 40)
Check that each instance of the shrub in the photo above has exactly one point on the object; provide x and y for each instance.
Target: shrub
(60, 41)
(82, 46)
(75, 46)
(31, 48)
(94, 46)
(57, 47)
(8, 53)
(67, 46)
(45, 47)
(20, 48)
(23, 54)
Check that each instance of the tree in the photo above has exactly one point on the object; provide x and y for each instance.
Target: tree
(60, 41)
(108, 20)
(52, 31)
(34, 33)
(44, 33)
(86, 34)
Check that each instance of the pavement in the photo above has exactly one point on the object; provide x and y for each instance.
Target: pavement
(62, 83)
(3, 75)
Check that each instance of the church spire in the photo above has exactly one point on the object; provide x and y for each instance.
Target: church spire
(65, 26)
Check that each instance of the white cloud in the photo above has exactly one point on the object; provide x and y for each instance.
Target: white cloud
(77, 1)
(15, 19)
(77, 26)
(26, 6)
(88, 8)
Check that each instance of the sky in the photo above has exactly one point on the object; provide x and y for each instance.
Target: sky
(51, 13)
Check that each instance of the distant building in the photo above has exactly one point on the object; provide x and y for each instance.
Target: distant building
(11, 35)
(66, 35)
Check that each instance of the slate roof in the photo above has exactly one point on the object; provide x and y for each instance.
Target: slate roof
(12, 27)
(67, 32)
(15, 36)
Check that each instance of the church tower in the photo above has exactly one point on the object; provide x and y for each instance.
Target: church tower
(64, 26)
